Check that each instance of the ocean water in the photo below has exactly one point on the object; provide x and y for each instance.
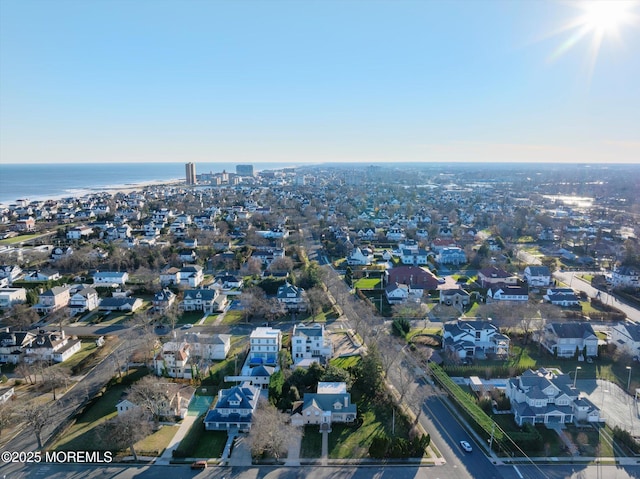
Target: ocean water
(48, 181)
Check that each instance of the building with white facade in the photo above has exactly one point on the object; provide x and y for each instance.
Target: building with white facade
(310, 343)
(265, 344)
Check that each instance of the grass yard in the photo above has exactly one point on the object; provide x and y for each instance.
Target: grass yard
(210, 318)
(88, 347)
(201, 443)
(190, 317)
(423, 331)
(345, 362)
(19, 239)
(82, 436)
(156, 443)
(367, 283)
(350, 442)
(233, 317)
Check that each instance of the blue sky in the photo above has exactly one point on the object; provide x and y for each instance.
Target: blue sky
(313, 81)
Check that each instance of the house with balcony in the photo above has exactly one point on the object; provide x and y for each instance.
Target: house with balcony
(546, 396)
(234, 409)
(265, 344)
(474, 339)
(175, 361)
(330, 404)
(310, 343)
(162, 300)
(570, 339)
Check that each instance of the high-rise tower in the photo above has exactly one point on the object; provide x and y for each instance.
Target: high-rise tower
(191, 173)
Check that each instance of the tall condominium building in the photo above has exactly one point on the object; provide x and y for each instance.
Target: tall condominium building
(244, 170)
(191, 173)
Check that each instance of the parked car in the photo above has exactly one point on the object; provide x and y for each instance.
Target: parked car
(199, 465)
(466, 446)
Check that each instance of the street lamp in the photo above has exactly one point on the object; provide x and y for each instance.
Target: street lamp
(629, 380)
(575, 376)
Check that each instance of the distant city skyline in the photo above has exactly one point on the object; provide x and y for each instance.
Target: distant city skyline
(319, 82)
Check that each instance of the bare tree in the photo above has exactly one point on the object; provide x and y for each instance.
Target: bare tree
(153, 395)
(54, 379)
(253, 302)
(125, 430)
(318, 300)
(25, 370)
(36, 417)
(7, 415)
(272, 431)
(282, 265)
(21, 317)
(403, 380)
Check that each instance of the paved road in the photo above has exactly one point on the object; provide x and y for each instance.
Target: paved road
(572, 279)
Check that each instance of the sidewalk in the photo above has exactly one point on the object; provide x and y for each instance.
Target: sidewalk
(167, 455)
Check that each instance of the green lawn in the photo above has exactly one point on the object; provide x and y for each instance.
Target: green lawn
(210, 318)
(233, 317)
(88, 347)
(156, 443)
(345, 362)
(201, 443)
(19, 239)
(81, 436)
(350, 442)
(190, 317)
(367, 283)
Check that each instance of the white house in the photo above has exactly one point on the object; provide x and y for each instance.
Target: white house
(548, 397)
(451, 255)
(209, 346)
(10, 271)
(79, 232)
(265, 344)
(359, 257)
(625, 276)
(562, 297)
(474, 339)
(108, 278)
(13, 344)
(626, 336)
(537, 276)
(84, 300)
(508, 293)
(397, 293)
(330, 404)
(53, 346)
(309, 342)
(414, 257)
(12, 296)
(125, 405)
(567, 339)
(174, 361)
(200, 300)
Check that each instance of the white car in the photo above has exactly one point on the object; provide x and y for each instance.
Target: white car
(466, 446)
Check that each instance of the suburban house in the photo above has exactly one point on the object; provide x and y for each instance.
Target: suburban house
(567, 340)
(454, 297)
(13, 344)
(162, 300)
(360, 257)
(234, 409)
(419, 280)
(474, 339)
(175, 361)
(53, 346)
(508, 293)
(537, 276)
(291, 297)
(309, 343)
(200, 300)
(330, 404)
(120, 303)
(413, 256)
(37, 276)
(562, 297)
(493, 276)
(125, 405)
(626, 336)
(259, 376)
(177, 406)
(547, 397)
(625, 276)
(12, 296)
(209, 346)
(397, 293)
(53, 299)
(83, 300)
(267, 255)
(228, 281)
(191, 276)
(451, 255)
(108, 278)
(79, 232)
(265, 344)
(10, 271)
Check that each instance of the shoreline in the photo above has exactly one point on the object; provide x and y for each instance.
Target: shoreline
(88, 191)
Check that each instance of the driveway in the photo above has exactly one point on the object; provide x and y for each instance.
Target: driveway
(617, 407)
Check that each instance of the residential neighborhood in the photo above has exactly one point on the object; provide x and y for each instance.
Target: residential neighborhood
(248, 300)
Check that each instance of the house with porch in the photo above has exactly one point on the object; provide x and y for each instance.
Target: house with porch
(86, 299)
(291, 297)
(309, 342)
(200, 300)
(547, 397)
(234, 409)
(330, 404)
